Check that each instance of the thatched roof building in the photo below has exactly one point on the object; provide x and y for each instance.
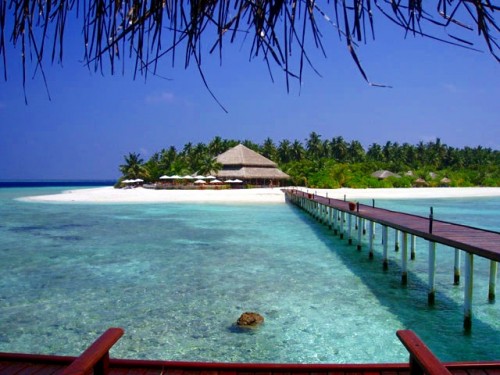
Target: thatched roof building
(383, 174)
(244, 164)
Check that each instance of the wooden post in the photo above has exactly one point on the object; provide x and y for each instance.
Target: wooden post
(371, 234)
(364, 227)
(413, 246)
(468, 289)
(431, 296)
(396, 240)
(456, 268)
(360, 230)
(385, 230)
(493, 278)
(349, 228)
(342, 220)
(404, 260)
(335, 221)
(330, 217)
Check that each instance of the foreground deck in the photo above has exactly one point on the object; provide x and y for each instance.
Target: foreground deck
(95, 360)
(52, 366)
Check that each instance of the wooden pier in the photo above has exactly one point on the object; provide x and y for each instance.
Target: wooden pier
(339, 215)
(95, 360)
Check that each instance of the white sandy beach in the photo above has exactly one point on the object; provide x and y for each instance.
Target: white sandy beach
(264, 195)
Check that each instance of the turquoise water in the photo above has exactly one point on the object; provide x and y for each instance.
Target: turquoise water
(177, 276)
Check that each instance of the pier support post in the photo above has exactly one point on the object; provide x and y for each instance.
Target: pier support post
(493, 279)
(404, 260)
(468, 289)
(342, 220)
(413, 240)
(431, 296)
(330, 217)
(371, 234)
(396, 240)
(456, 268)
(385, 230)
(335, 221)
(364, 226)
(349, 229)
(360, 231)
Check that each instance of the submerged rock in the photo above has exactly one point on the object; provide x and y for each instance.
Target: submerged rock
(250, 319)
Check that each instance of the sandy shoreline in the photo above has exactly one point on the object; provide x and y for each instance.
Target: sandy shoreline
(266, 195)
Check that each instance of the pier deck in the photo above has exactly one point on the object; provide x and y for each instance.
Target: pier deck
(482, 242)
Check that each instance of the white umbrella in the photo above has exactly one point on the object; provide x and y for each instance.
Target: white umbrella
(237, 181)
(200, 182)
(187, 177)
(127, 181)
(165, 177)
(200, 177)
(229, 181)
(210, 177)
(175, 177)
(215, 181)
(138, 180)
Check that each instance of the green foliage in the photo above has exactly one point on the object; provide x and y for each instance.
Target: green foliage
(334, 163)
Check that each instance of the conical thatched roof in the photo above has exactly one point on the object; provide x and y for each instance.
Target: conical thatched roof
(241, 155)
(384, 174)
(245, 164)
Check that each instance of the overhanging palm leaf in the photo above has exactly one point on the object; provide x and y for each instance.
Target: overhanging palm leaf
(149, 30)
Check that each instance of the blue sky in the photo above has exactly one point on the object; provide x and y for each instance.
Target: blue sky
(93, 120)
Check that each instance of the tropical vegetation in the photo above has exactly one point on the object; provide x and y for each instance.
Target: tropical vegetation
(335, 162)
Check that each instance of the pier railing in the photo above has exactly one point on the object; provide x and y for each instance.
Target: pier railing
(339, 215)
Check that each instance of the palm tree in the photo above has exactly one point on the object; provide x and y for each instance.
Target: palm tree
(156, 29)
(297, 150)
(269, 149)
(314, 146)
(284, 151)
(134, 167)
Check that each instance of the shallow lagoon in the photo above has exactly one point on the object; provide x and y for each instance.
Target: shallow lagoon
(177, 276)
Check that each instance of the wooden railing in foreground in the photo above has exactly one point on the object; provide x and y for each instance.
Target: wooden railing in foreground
(422, 360)
(96, 357)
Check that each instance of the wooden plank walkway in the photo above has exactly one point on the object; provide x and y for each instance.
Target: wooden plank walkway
(482, 242)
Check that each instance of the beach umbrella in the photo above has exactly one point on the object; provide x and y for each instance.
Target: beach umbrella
(215, 181)
(200, 182)
(165, 177)
(210, 177)
(176, 177)
(127, 181)
(237, 181)
(188, 177)
(229, 181)
(199, 177)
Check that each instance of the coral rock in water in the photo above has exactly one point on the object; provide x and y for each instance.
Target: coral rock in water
(250, 319)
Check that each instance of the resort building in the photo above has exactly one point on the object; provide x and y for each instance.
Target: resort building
(244, 164)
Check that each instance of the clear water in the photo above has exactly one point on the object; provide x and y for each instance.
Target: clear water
(177, 276)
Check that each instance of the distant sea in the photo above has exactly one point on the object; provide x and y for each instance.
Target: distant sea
(177, 276)
(55, 183)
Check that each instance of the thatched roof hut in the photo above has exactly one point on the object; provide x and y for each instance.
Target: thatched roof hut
(382, 174)
(242, 163)
(420, 182)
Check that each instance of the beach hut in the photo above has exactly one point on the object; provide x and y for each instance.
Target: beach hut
(420, 182)
(383, 174)
(244, 164)
(445, 181)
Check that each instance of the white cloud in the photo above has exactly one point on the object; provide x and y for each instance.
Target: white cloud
(163, 97)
